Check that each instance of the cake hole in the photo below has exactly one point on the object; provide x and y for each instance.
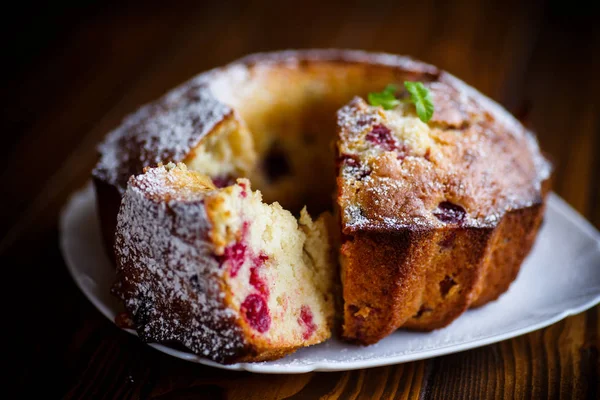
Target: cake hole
(255, 311)
(352, 309)
(424, 309)
(276, 164)
(450, 213)
(446, 284)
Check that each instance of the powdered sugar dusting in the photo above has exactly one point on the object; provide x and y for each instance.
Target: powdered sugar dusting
(167, 276)
(163, 131)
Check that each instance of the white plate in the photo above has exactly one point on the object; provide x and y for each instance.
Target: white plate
(561, 277)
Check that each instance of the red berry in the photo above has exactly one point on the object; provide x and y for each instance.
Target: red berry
(255, 278)
(235, 254)
(244, 192)
(256, 312)
(222, 181)
(306, 321)
(382, 136)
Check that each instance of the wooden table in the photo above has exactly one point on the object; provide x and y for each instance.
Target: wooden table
(74, 73)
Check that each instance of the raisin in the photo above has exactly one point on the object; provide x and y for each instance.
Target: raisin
(450, 213)
(382, 136)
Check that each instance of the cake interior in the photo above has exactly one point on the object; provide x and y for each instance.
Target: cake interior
(285, 132)
(278, 271)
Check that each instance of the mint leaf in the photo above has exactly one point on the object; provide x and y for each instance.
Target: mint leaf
(421, 98)
(385, 98)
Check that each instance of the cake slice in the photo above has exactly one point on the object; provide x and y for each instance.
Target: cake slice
(218, 271)
(436, 216)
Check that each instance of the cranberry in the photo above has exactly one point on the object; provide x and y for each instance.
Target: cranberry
(245, 229)
(382, 136)
(235, 254)
(306, 321)
(255, 311)
(354, 165)
(255, 278)
(424, 308)
(449, 212)
(244, 192)
(222, 181)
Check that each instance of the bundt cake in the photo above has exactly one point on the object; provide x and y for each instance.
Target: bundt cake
(438, 202)
(219, 272)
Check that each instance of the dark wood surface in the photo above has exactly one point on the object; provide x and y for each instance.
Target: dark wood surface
(74, 73)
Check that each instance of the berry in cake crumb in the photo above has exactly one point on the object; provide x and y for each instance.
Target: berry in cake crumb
(449, 212)
(223, 181)
(235, 254)
(255, 311)
(381, 135)
(306, 321)
(356, 168)
(244, 192)
(255, 279)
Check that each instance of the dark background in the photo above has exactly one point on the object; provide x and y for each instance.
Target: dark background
(72, 72)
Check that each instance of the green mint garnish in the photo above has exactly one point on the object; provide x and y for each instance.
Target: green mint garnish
(385, 98)
(421, 98)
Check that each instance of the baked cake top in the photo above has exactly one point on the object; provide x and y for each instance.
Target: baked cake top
(467, 166)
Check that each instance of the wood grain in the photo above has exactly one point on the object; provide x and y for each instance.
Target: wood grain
(106, 59)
